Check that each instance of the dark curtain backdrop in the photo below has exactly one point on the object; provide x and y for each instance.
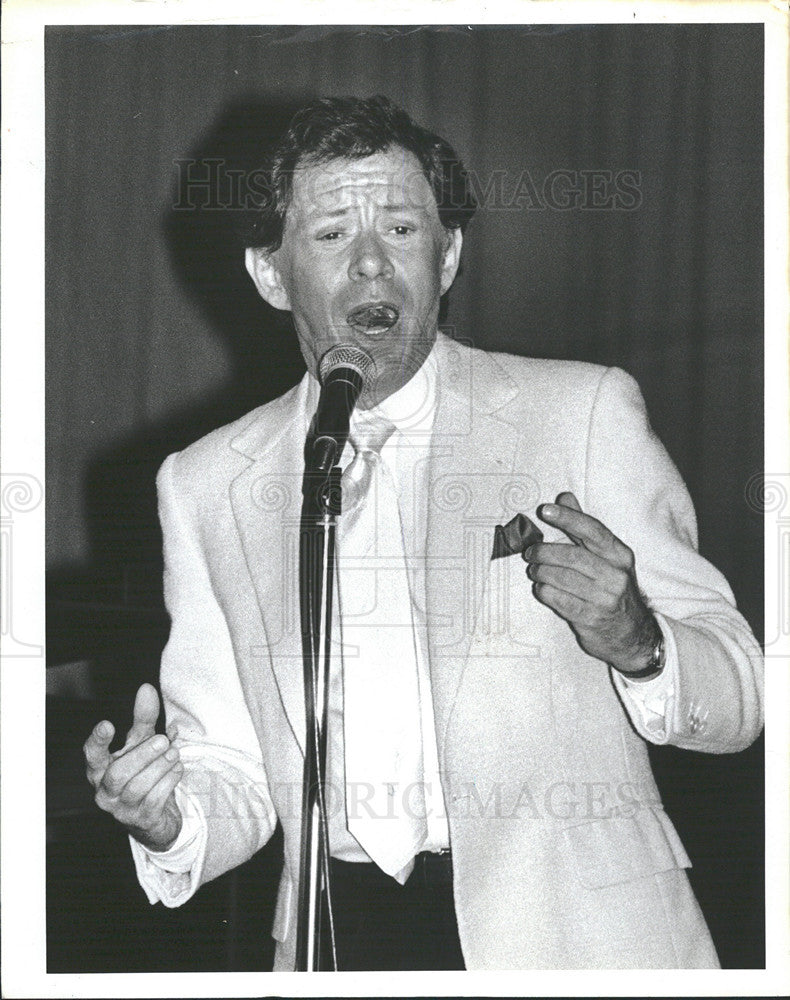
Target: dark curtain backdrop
(155, 334)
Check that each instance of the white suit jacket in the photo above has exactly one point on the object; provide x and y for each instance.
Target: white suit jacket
(563, 855)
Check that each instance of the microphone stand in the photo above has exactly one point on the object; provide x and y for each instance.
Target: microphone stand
(321, 505)
(343, 372)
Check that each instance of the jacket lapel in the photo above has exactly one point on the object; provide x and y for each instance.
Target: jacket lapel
(266, 501)
(472, 489)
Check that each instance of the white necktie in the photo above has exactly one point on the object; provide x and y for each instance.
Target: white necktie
(385, 803)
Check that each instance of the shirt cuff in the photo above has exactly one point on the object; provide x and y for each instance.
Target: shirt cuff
(650, 701)
(173, 876)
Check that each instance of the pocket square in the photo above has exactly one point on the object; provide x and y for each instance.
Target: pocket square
(515, 536)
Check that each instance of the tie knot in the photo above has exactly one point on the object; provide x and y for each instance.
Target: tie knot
(371, 437)
(367, 441)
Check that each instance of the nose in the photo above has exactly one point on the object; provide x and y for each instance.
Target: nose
(369, 259)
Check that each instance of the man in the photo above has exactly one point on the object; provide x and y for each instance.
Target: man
(492, 804)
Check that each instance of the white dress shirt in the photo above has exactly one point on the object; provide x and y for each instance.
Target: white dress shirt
(412, 410)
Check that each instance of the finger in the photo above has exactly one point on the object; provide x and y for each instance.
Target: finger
(96, 747)
(141, 784)
(561, 554)
(172, 732)
(566, 580)
(127, 764)
(567, 606)
(146, 712)
(154, 801)
(585, 530)
(568, 499)
(608, 578)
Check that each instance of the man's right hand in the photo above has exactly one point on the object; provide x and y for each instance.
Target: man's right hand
(136, 783)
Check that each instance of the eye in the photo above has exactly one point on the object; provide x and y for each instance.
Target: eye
(334, 234)
(402, 230)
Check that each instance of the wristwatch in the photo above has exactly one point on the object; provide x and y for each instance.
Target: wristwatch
(656, 662)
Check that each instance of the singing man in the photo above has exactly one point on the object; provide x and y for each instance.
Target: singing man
(521, 610)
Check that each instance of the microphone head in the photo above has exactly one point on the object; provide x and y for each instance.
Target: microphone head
(347, 356)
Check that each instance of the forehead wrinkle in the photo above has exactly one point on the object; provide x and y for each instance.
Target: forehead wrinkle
(319, 190)
(342, 198)
(388, 207)
(358, 173)
(377, 187)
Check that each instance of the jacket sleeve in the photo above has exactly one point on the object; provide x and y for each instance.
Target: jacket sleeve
(633, 487)
(224, 790)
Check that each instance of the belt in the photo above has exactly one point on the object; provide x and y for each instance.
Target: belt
(431, 869)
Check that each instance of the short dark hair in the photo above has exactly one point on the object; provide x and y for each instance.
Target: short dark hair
(353, 128)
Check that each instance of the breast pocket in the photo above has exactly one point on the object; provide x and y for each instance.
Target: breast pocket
(505, 622)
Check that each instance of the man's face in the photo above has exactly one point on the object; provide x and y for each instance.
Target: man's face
(362, 233)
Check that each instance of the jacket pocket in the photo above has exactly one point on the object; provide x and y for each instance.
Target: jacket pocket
(282, 911)
(619, 848)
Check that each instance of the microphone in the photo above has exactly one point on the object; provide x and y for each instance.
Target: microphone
(344, 372)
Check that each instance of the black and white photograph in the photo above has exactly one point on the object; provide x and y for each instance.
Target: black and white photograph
(408, 605)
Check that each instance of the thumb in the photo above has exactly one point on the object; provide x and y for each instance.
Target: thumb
(146, 712)
(567, 499)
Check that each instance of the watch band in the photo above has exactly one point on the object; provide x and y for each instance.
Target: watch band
(656, 662)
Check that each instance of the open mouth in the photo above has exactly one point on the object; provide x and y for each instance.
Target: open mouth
(373, 319)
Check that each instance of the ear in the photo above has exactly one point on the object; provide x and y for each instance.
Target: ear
(266, 277)
(452, 258)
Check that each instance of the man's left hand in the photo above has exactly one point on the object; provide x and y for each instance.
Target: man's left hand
(592, 585)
